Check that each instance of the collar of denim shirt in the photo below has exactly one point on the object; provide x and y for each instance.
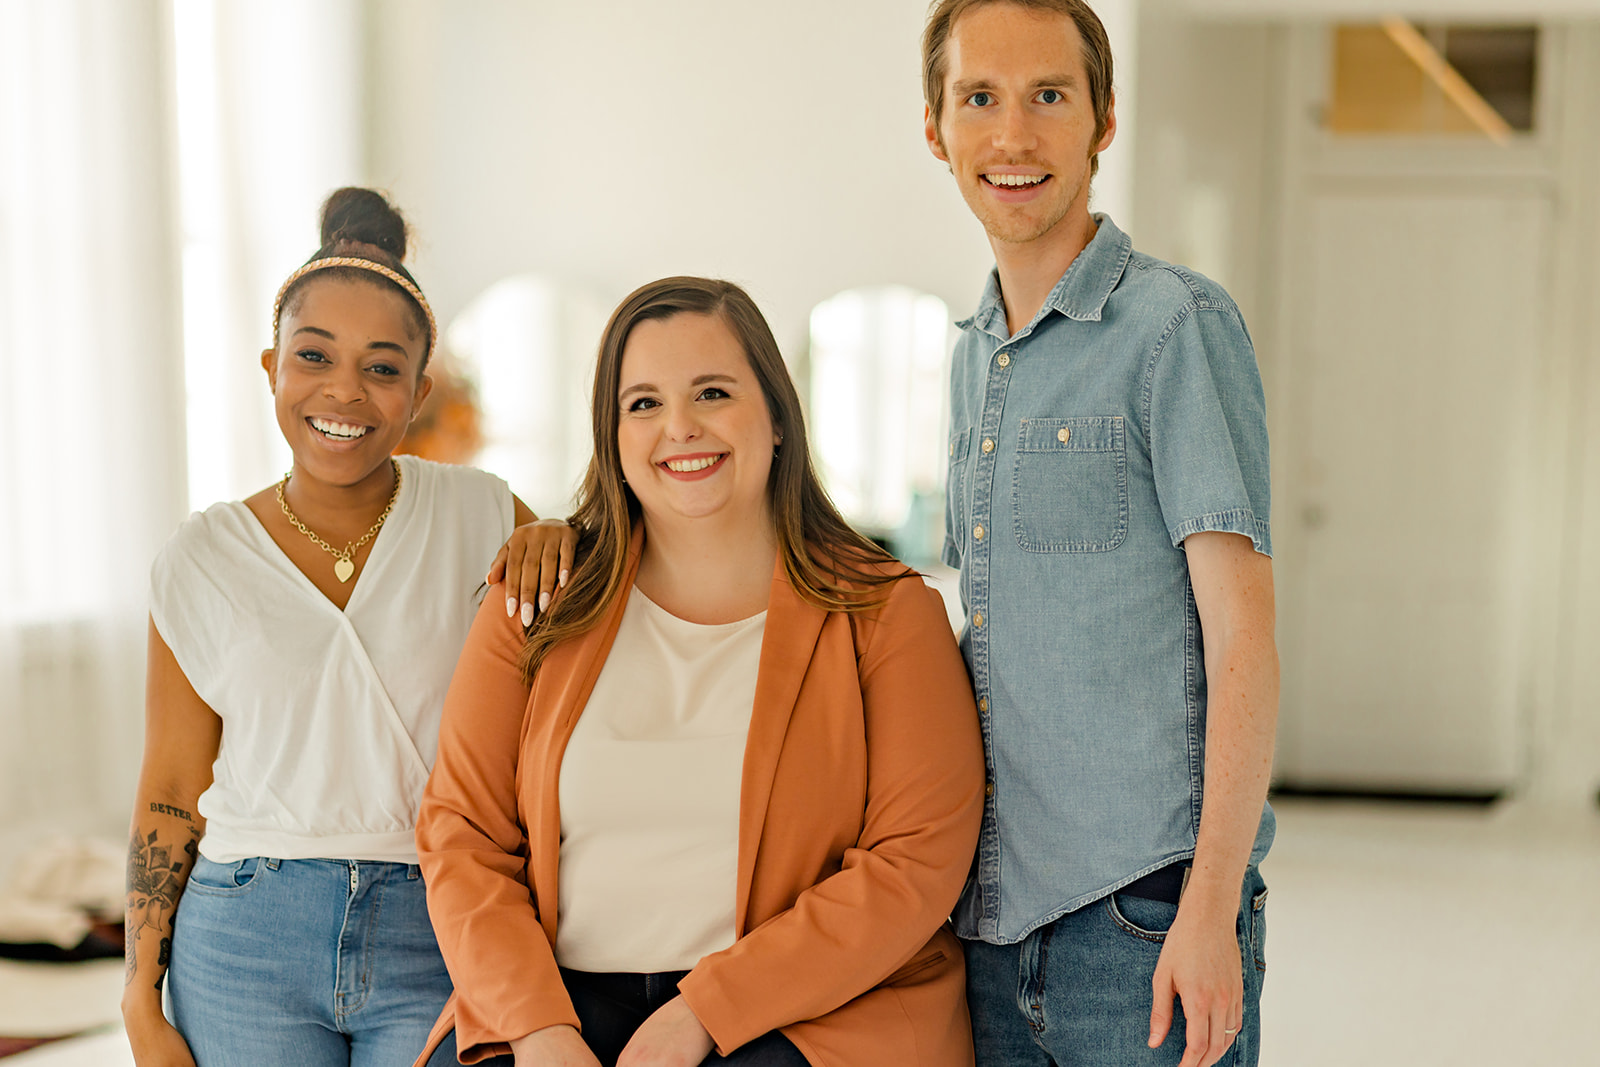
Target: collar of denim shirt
(1080, 294)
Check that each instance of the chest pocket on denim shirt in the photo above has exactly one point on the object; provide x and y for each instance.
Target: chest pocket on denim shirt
(1070, 492)
(955, 483)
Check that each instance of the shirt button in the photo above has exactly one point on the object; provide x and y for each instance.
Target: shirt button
(977, 621)
(988, 789)
(977, 533)
(988, 445)
(1004, 359)
(983, 703)
(1063, 434)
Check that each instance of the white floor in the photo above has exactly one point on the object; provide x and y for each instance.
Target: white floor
(1413, 937)
(1403, 936)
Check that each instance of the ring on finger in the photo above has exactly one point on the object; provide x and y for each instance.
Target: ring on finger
(1230, 1031)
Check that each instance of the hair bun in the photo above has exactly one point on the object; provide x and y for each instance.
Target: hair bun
(364, 216)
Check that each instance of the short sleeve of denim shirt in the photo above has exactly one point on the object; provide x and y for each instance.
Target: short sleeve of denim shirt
(1206, 420)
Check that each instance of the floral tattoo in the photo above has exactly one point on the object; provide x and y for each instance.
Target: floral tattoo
(153, 888)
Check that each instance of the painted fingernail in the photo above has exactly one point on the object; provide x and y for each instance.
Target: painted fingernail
(561, 579)
(527, 614)
(544, 601)
(511, 606)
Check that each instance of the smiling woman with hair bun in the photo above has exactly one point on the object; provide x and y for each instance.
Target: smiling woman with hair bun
(300, 645)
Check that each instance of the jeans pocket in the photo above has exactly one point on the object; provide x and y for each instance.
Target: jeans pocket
(1070, 487)
(1148, 920)
(223, 878)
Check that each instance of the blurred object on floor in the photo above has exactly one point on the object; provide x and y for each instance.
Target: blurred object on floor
(103, 941)
(57, 890)
(10, 1046)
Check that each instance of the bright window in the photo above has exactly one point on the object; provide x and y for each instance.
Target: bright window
(879, 359)
(1399, 77)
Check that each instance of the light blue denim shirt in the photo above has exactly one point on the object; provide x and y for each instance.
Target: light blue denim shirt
(1083, 450)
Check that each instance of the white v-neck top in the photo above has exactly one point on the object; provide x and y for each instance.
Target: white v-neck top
(330, 719)
(649, 795)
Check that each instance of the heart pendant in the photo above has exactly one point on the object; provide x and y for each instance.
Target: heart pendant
(343, 569)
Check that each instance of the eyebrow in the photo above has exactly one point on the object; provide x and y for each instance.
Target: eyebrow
(647, 387)
(390, 345)
(1049, 81)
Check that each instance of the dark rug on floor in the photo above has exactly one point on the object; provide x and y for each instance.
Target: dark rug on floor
(10, 1046)
(104, 941)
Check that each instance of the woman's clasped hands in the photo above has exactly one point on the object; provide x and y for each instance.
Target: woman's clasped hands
(671, 1037)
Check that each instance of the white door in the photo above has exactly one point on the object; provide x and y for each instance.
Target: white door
(1416, 343)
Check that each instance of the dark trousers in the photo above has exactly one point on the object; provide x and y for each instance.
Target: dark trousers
(611, 1007)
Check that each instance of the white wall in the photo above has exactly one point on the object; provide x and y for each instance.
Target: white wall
(1566, 734)
(1570, 742)
(779, 145)
(610, 144)
(1201, 155)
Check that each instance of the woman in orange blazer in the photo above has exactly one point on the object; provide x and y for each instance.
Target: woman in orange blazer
(814, 914)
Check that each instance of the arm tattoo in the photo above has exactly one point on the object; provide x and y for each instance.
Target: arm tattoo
(153, 889)
(168, 809)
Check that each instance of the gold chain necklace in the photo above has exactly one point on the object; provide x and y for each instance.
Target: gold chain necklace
(343, 565)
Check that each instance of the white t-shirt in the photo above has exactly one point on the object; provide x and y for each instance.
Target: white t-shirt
(330, 719)
(649, 795)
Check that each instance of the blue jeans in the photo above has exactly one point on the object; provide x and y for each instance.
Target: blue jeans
(1076, 992)
(305, 963)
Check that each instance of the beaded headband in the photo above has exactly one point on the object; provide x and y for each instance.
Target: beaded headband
(363, 264)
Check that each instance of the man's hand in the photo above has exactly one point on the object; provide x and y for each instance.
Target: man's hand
(1200, 964)
(671, 1037)
(554, 1046)
(534, 563)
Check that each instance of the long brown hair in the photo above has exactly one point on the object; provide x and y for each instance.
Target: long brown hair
(827, 562)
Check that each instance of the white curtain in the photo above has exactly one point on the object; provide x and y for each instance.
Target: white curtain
(161, 164)
(91, 399)
(269, 121)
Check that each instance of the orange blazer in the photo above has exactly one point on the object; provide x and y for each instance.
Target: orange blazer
(860, 799)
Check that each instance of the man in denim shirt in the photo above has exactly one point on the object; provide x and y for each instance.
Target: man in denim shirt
(1108, 508)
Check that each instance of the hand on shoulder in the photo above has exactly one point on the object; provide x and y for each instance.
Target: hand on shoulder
(534, 565)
